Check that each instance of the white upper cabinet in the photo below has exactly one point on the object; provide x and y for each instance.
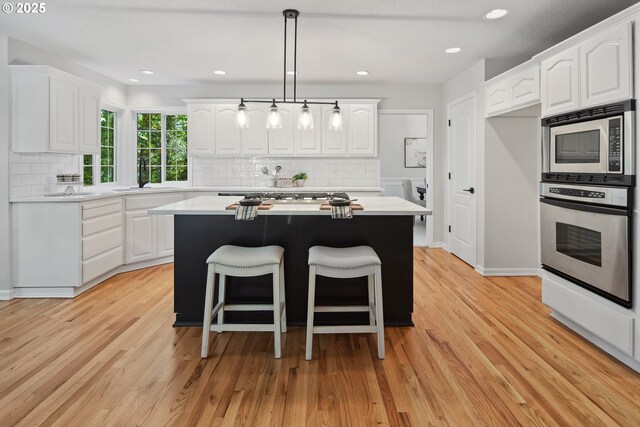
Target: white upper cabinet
(63, 104)
(606, 67)
(560, 90)
(362, 129)
(497, 97)
(281, 141)
(213, 130)
(335, 142)
(228, 135)
(255, 138)
(309, 142)
(89, 121)
(201, 124)
(524, 87)
(53, 111)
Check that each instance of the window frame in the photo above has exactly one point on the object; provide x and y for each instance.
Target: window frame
(117, 138)
(170, 111)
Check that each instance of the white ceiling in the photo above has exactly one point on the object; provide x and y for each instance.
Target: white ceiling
(397, 41)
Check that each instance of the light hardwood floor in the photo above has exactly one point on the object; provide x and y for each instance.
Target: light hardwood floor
(484, 351)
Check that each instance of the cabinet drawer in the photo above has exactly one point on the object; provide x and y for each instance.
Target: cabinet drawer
(606, 322)
(101, 264)
(101, 242)
(151, 201)
(95, 209)
(101, 223)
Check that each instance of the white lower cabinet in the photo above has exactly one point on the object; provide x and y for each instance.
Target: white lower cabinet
(148, 237)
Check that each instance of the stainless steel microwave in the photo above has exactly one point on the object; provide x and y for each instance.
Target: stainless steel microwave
(590, 143)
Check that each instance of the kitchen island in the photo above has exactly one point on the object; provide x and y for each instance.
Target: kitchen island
(203, 224)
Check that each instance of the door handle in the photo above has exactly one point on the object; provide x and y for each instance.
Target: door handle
(470, 190)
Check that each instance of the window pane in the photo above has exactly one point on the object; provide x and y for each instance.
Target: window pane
(156, 121)
(171, 173)
(155, 140)
(171, 122)
(104, 156)
(143, 139)
(182, 139)
(156, 158)
(88, 175)
(110, 119)
(143, 121)
(181, 122)
(171, 139)
(155, 174)
(181, 157)
(171, 157)
(104, 137)
(88, 160)
(182, 173)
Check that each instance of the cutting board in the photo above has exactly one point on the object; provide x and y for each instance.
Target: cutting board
(354, 207)
(262, 207)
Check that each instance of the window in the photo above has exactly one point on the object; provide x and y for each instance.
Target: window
(162, 145)
(104, 164)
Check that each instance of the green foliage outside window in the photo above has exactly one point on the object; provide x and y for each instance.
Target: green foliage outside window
(150, 128)
(87, 169)
(107, 147)
(150, 144)
(176, 148)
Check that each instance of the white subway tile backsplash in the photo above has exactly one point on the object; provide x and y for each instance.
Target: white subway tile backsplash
(239, 171)
(34, 174)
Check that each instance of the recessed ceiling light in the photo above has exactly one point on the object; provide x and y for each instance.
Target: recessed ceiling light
(147, 72)
(453, 50)
(220, 72)
(291, 73)
(134, 80)
(362, 73)
(495, 14)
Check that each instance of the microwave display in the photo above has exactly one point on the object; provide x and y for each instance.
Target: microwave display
(578, 147)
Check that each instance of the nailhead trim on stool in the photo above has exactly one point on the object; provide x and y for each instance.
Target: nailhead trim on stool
(346, 263)
(231, 260)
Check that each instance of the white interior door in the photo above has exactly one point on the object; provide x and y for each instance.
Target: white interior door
(461, 136)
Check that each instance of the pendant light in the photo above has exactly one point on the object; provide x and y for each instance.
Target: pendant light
(335, 118)
(305, 118)
(242, 117)
(274, 120)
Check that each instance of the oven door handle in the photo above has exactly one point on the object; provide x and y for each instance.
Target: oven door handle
(584, 207)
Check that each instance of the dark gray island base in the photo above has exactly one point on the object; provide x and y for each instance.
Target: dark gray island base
(391, 236)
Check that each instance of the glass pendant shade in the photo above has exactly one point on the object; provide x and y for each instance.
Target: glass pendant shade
(274, 120)
(305, 118)
(335, 118)
(242, 116)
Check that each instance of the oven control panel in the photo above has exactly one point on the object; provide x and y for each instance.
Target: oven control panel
(575, 192)
(615, 157)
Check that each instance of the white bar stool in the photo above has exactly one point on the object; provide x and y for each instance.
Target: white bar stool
(346, 263)
(238, 261)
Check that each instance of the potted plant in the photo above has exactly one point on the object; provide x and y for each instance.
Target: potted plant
(299, 179)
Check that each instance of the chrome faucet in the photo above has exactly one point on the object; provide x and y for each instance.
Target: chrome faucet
(142, 167)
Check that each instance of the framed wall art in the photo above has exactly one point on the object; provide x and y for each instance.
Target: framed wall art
(415, 152)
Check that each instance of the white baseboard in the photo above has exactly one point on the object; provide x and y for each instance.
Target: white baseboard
(6, 295)
(630, 362)
(71, 292)
(438, 245)
(507, 271)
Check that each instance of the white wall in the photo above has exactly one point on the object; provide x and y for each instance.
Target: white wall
(5, 229)
(393, 129)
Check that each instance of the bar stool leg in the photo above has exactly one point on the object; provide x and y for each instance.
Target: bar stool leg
(276, 312)
(379, 311)
(372, 319)
(283, 317)
(208, 303)
(310, 310)
(222, 282)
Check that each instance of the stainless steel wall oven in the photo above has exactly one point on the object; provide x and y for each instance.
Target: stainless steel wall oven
(586, 198)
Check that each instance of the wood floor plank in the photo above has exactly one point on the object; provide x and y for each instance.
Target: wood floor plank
(484, 351)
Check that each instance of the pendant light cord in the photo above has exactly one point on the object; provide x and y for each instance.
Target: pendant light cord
(284, 95)
(295, 60)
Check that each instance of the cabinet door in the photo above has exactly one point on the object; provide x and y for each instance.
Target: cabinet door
(201, 125)
(140, 237)
(362, 130)
(524, 88)
(497, 97)
(559, 83)
(165, 235)
(89, 121)
(228, 135)
(335, 142)
(255, 139)
(281, 140)
(605, 67)
(63, 125)
(309, 142)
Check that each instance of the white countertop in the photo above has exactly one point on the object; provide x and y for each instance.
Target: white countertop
(126, 191)
(215, 205)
